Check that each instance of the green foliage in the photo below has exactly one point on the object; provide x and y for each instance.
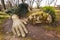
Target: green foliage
(20, 10)
(10, 11)
(51, 11)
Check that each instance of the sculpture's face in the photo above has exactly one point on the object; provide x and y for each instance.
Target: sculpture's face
(40, 17)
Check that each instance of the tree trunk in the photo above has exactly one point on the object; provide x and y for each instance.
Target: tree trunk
(23, 1)
(55, 3)
(52, 1)
(10, 4)
(48, 3)
(2, 1)
(31, 3)
(38, 4)
(18, 2)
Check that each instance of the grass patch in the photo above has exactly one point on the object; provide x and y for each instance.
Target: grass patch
(57, 16)
(49, 28)
(3, 17)
(57, 11)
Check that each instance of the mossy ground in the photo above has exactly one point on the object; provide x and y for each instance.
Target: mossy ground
(3, 17)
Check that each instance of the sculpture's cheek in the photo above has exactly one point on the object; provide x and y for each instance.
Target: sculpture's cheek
(49, 19)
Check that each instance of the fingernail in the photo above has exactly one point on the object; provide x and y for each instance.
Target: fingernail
(18, 35)
(23, 35)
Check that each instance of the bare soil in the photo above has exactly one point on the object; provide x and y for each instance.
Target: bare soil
(36, 32)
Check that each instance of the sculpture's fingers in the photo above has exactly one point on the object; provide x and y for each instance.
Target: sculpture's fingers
(13, 31)
(23, 26)
(17, 31)
(22, 31)
(24, 21)
(30, 17)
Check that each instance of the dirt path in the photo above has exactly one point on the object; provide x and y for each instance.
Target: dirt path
(36, 32)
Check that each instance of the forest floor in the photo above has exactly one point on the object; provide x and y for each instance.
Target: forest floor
(36, 32)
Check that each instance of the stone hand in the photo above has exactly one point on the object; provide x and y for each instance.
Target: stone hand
(18, 27)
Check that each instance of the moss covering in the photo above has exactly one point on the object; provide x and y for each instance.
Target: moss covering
(51, 11)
